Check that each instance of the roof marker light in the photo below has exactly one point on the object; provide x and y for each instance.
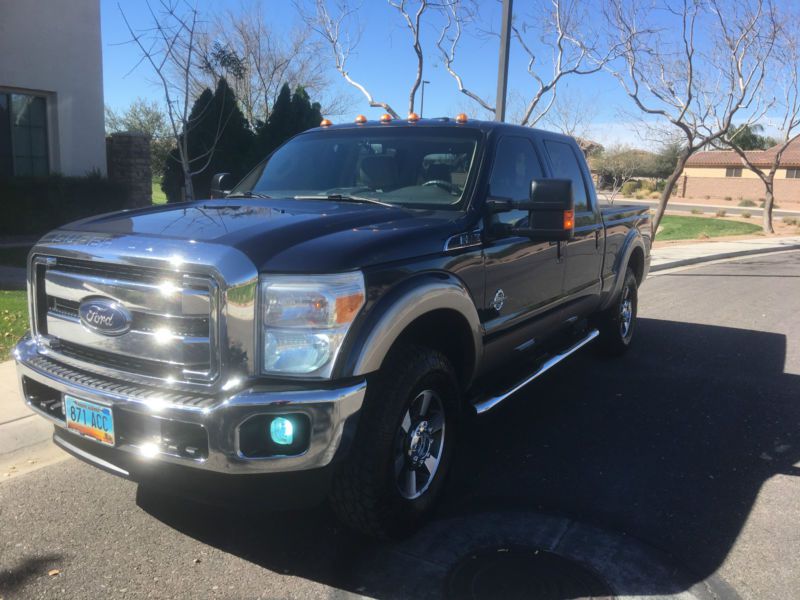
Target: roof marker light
(325, 123)
(386, 118)
(413, 117)
(461, 118)
(361, 119)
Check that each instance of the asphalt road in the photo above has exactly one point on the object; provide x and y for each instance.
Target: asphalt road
(730, 208)
(671, 473)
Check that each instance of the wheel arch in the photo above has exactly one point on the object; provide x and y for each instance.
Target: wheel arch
(435, 310)
(633, 254)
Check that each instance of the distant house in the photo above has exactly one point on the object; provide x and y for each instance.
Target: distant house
(51, 88)
(721, 173)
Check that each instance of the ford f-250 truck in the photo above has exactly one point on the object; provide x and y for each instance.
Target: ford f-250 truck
(325, 326)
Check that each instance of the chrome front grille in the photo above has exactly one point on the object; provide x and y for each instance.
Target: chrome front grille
(173, 333)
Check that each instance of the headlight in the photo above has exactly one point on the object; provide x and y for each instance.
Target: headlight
(304, 320)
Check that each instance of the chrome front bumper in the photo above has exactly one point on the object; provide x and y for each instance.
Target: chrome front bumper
(147, 411)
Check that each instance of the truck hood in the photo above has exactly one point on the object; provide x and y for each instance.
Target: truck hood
(304, 236)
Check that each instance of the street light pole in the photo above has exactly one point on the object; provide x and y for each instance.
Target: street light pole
(422, 99)
(502, 68)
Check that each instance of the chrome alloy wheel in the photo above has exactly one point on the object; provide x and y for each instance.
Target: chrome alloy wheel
(625, 313)
(419, 444)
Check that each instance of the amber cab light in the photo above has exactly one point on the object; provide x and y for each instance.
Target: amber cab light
(360, 119)
(461, 118)
(325, 123)
(386, 118)
(413, 117)
(569, 220)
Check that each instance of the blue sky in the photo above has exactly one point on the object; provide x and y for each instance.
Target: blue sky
(385, 63)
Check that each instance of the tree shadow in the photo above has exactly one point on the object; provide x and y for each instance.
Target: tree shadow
(13, 578)
(669, 446)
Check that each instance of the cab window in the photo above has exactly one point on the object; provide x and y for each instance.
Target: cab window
(565, 166)
(515, 164)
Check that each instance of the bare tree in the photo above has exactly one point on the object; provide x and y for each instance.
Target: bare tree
(697, 91)
(340, 30)
(269, 59)
(170, 47)
(616, 166)
(560, 27)
(572, 114)
(783, 75)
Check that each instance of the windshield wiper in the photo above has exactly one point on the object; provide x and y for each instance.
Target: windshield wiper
(248, 195)
(344, 198)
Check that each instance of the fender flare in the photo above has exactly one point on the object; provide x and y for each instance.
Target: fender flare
(632, 241)
(400, 307)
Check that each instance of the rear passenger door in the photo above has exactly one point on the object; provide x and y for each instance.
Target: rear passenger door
(583, 253)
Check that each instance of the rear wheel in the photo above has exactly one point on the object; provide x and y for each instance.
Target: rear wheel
(403, 447)
(617, 323)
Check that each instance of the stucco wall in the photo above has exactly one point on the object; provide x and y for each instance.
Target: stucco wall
(54, 46)
(736, 188)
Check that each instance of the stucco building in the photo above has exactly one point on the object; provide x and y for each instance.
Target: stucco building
(721, 174)
(51, 88)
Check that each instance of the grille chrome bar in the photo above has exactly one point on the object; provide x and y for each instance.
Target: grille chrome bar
(169, 297)
(168, 348)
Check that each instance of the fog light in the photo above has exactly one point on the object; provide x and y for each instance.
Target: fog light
(281, 430)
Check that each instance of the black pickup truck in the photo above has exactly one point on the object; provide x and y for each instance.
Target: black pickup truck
(325, 326)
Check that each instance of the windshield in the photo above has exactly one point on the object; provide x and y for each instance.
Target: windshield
(425, 168)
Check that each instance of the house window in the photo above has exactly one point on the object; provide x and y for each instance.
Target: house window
(23, 135)
(733, 172)
(792, 173)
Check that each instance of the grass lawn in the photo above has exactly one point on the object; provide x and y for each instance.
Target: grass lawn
(159, 197)
(691, 228)
(13, 320)
(14, 257)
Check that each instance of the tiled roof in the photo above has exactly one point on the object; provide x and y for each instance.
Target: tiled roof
(760, 158)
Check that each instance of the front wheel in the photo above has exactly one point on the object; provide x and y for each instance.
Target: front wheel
(403, 447)
(617, 323)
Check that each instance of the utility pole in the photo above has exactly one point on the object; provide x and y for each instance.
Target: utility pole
(502, 69)
(422, 99)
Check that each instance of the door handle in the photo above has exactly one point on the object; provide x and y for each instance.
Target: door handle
(597, 239)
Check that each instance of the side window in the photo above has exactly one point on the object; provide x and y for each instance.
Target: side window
(565, 166)
(515, 164)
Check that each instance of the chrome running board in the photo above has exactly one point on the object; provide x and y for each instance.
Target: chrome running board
(489, 403)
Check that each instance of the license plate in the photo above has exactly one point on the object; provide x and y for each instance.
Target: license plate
(90, 419)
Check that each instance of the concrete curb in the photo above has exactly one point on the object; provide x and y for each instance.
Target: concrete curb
(720, 256)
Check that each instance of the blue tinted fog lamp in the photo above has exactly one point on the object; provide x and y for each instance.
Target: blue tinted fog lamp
(281, 430)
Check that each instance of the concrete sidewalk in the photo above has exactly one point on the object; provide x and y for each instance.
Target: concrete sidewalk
(24, 436)
(668, 257)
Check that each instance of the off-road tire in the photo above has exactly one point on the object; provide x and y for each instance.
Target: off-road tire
(615, 338)
(365, 494)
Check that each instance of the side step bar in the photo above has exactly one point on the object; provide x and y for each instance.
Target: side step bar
(489, 403)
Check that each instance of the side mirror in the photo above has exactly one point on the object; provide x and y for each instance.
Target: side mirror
(221, 185)
(551, 210)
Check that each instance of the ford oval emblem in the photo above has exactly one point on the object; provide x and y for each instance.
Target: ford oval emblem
(104, 316)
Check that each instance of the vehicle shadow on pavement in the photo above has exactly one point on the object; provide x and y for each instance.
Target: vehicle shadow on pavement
(13, 578)
(643, 469)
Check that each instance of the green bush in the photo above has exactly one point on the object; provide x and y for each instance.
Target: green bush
(721, 213)
(697, 211)
(746, 202)
(791, 220)
(629, 188)
(648, 185)
(746, 215)
(35, 205)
